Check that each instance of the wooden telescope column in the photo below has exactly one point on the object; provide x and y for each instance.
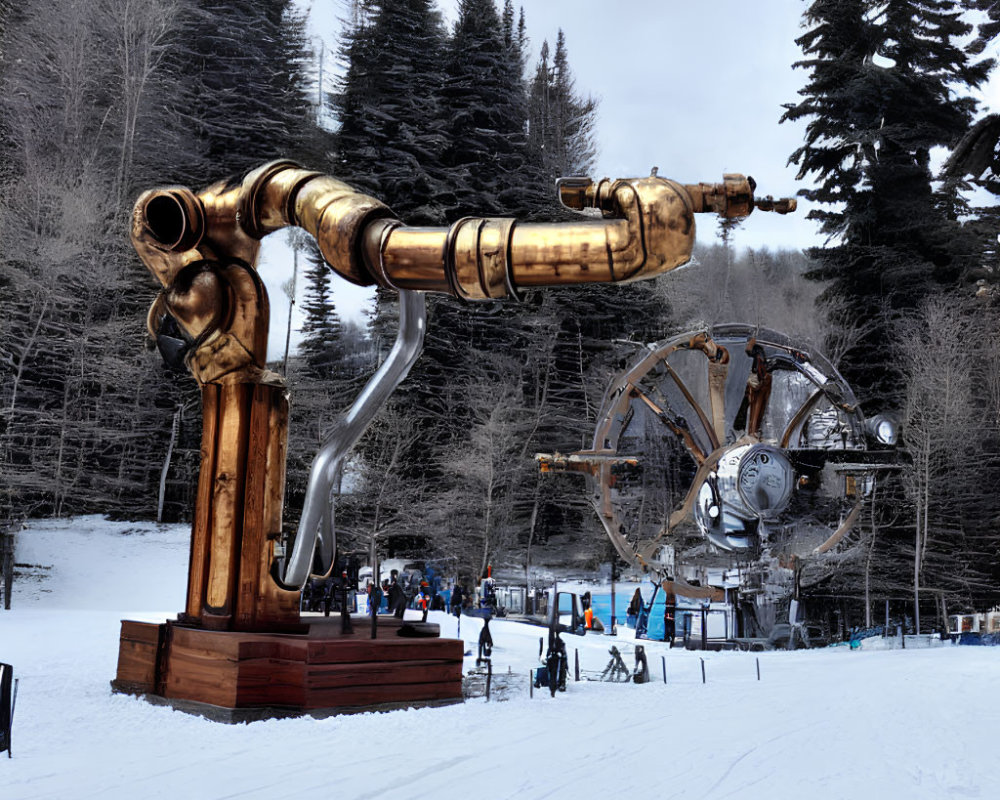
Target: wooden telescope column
(241, 651)
(237, 520)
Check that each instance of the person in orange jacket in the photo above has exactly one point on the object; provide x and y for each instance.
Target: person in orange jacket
(423, 600)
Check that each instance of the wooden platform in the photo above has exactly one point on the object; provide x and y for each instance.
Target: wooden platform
(236, 676)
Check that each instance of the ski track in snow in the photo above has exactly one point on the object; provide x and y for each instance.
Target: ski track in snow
(919, 724)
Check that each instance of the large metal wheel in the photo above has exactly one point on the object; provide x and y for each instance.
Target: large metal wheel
(728, 446)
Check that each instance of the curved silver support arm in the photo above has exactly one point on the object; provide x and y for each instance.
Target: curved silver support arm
(316, 520)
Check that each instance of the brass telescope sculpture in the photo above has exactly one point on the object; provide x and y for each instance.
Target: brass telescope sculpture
(213, 312)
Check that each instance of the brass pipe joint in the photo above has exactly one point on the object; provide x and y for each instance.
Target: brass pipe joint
(203, 247)
(282, 193)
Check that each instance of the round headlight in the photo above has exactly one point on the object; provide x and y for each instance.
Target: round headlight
(884, 429)
(765, 480)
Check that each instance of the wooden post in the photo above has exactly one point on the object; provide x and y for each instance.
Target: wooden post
(237, 518)
(228, 484)
(201, 525)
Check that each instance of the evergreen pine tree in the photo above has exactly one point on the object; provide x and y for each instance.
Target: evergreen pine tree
(391, 131)
(540, 107)
(976, 158)
(561, 122)
(248, 99)
(573, 124)
(988, 29)
(320, 347)
(490, 169)
(884, 89)
(486, 110)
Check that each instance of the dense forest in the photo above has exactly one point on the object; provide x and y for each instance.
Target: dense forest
(109, 97)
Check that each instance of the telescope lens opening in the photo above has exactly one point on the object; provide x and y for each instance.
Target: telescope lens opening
(166, 220)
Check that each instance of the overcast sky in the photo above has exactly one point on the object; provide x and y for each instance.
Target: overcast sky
(693, 88)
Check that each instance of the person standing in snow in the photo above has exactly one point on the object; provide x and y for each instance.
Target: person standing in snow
(456, 600)
(557, 665)
(669, 614)
(489, 595)
(397, 599)
(634, 609)
(421, 601)
(374, 598)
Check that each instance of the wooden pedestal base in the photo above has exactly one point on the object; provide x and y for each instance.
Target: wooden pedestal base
(236, 676)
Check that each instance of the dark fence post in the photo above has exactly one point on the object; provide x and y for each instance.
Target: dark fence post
(614, 561)
(8, 694)
(7, 564)
(376, 595)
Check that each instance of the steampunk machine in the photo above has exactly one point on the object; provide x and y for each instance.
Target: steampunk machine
(240, 649)
(732, 451)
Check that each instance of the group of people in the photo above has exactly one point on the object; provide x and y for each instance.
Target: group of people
(463, 600)
(402, 592)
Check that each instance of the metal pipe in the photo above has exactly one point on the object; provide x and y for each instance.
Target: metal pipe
(314, 522)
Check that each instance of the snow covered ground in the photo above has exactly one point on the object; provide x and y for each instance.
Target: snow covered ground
(819, 724)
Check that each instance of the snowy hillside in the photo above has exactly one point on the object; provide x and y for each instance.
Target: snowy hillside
(819, 724)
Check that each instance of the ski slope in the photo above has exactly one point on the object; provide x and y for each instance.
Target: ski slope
(830, 723)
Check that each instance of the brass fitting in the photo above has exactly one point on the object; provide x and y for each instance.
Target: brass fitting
(646, 228)
(203, 247)
(203, 250)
